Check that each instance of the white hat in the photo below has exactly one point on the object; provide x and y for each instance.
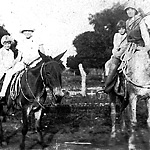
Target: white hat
(131, 4)
(6, 38)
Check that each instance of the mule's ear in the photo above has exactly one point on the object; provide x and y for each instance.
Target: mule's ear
(57, 58)
(41, 54)
(44, 57)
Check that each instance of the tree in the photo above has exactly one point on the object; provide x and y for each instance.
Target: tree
(105, 23)
(94, 48)
(72, 62)
(90, 49)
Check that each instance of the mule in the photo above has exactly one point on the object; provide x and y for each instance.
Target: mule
(137, 75)
(32, 95)
(136, 72)
(118, 105)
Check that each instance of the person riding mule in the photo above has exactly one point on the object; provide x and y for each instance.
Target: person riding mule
(27, 54)
(32, 96)
(29, 45)
(112, 64)
(138, 37)
(135, 70)
(8, 63)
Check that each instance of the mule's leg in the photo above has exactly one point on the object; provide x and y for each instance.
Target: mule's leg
(148, 107)
(123, 112)
(38, 126)
(133, 121)
(132, 104)
(1, 130)
(25, 115)
(2, 140)
(113, 113)
(148, 119)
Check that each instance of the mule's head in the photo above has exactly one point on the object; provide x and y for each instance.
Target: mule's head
(52, 71)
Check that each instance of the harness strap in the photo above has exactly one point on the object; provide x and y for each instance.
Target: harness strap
(34, 97)
(44, 88)
(135, 84)
(124, 64)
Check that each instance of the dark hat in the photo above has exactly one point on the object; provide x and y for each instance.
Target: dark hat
(121, 24)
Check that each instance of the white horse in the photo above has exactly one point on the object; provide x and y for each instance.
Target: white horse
(137, 75)
(136, 71)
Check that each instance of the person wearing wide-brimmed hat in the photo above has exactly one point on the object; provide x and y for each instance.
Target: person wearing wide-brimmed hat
(138, 38)
(29, 45)
(137, 31)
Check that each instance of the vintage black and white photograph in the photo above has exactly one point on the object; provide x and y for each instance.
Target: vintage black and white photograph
(75, 75)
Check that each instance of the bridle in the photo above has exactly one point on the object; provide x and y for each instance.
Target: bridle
(44, 87)
(51, 89)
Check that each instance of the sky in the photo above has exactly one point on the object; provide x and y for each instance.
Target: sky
(57, 22)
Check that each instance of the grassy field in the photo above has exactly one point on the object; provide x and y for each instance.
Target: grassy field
(72, 82)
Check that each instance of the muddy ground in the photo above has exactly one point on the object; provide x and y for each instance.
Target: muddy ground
(80, 123)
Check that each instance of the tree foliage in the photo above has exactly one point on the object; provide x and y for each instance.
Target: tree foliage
(90, 49)
(105, 22)
(94, 48)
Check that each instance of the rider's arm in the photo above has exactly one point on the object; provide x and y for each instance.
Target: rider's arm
(115, 43)
(145, 34)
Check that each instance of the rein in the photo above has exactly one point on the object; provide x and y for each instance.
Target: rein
(44, 88)
(30, 87)
(135, 84)
(124, 67)
(53, 103)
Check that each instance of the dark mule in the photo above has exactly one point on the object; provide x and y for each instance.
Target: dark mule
(32, 95)
(118, 103)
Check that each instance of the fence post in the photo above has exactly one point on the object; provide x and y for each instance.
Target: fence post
(83, 78)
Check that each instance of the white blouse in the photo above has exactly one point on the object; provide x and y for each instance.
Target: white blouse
(119, 41)
(6, 59)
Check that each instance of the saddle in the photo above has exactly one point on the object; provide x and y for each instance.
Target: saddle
(117, 84)
(15, 84)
